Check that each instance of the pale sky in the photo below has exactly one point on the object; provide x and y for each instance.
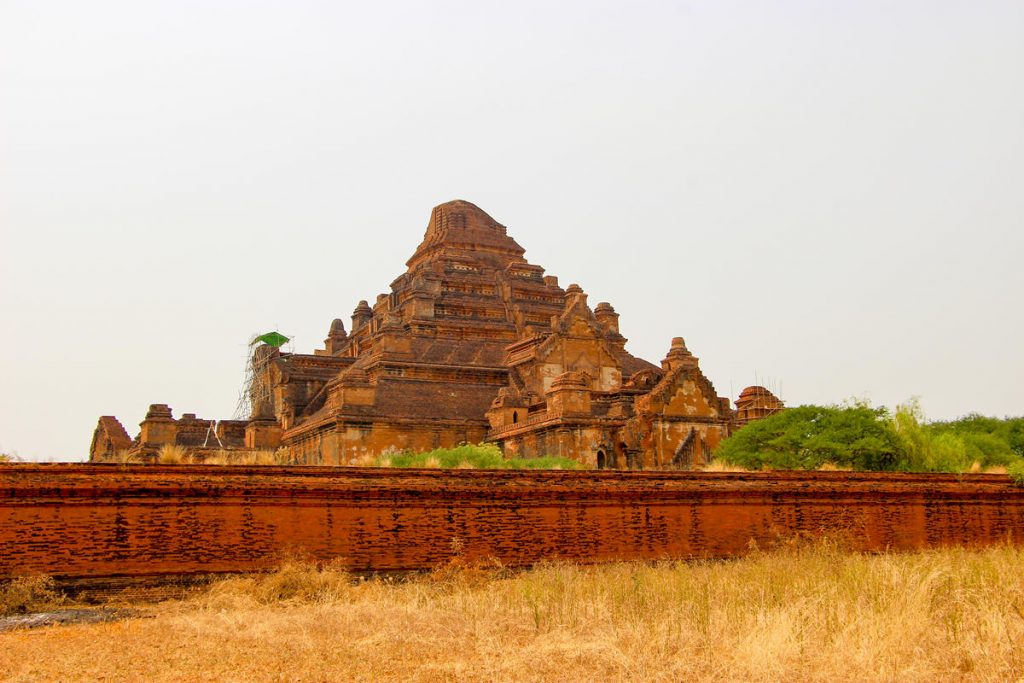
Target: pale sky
(825, 196)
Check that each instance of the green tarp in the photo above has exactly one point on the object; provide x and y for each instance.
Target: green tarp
(275, 339)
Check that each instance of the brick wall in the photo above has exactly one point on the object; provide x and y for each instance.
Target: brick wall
(90, 522)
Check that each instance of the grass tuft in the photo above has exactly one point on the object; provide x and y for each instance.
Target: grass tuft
(122, 457)
(294, 580)
(172, 454)
(29, 594)
(719, 466)
(832, 467)
(248, 457)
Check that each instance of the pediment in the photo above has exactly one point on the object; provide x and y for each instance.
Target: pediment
(580, 327)
(644, 379)
(689, 400)
(583, 363)
(683, 392)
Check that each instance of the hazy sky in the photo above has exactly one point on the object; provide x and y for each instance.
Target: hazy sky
(828, 196)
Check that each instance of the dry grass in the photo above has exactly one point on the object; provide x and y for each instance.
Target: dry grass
(832, 467)
(719, 466)
(172, 454)
(121, 457)
(803, 613)
(294, 581)
(244, 457)
(29, 594)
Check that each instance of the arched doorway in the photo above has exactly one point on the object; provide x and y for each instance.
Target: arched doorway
(601, 460)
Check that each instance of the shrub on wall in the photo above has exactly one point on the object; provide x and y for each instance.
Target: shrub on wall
(1016, 472)
(474, 456)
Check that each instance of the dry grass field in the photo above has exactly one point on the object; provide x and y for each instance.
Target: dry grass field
(797, 613)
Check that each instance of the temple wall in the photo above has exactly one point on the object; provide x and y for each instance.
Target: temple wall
(579, 354)
(668, 434)
(580, 443)
(583, 444)
(80, 522)
(358, 443)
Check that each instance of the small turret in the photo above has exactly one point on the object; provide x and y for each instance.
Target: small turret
(607, 318)
(159, 427)
(678, 356)
(337, 337)
(361, 315)
(569, 394)
(574, 296)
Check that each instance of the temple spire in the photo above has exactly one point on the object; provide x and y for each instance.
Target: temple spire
(461, 228)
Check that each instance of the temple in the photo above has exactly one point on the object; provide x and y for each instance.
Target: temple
(472, 344)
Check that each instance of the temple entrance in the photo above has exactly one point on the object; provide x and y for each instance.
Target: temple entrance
(601, 461)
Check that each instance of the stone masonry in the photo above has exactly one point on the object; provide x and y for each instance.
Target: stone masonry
(472, 344)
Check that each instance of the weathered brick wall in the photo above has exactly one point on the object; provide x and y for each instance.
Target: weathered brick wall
(87, 522)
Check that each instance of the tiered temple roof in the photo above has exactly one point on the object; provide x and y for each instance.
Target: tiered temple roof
(475, 343)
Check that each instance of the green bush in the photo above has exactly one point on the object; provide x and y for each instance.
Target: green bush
(474, 456)
(922, 449)
(987, 440)
(807, 437)
(1016, 472)
(865, 438)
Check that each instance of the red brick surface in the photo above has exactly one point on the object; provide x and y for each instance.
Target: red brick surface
(95, 521)
(472, 343)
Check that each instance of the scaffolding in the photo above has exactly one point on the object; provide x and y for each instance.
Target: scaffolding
(256, 389)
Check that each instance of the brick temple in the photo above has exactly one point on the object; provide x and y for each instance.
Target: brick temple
(472, 344)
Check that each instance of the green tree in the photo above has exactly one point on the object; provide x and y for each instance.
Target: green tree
(986, 440)
(866, 438)
(807, 437)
